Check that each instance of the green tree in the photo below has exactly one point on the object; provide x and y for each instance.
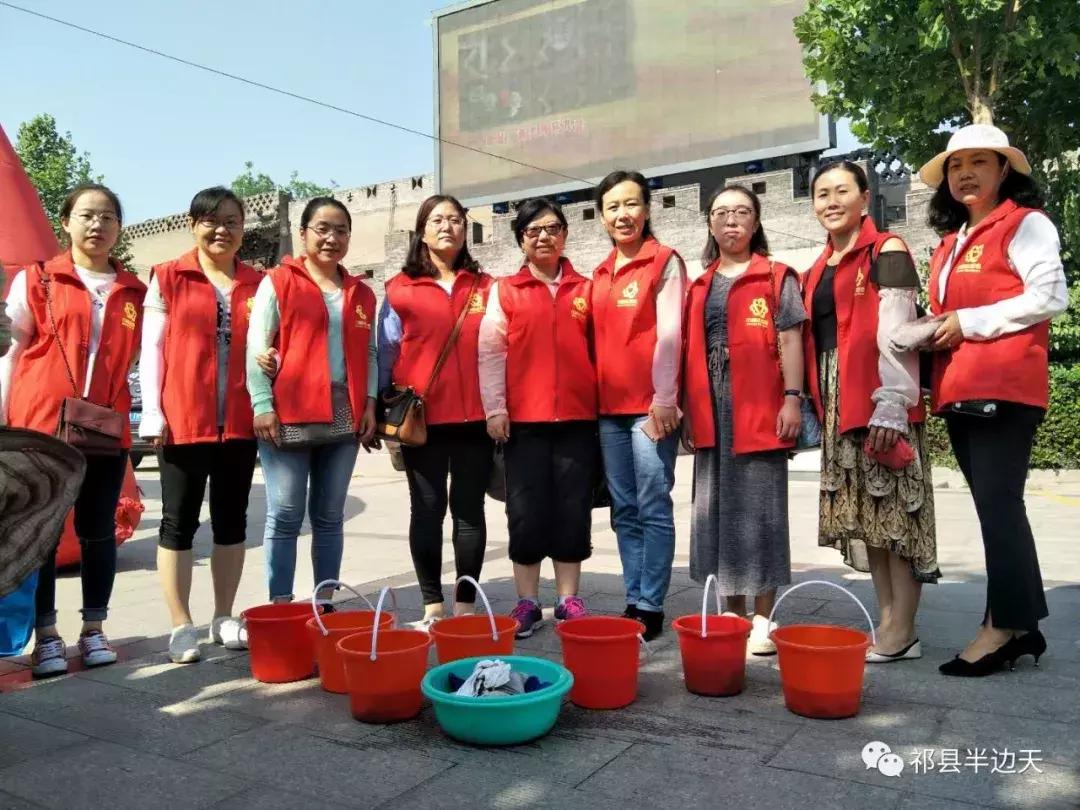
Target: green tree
(250, 183)
(55, 166)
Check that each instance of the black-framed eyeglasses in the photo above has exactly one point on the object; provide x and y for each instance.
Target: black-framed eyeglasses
(554, 229)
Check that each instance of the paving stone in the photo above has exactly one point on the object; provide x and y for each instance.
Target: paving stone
(141, 721)
(700, 778)
(102, 774)
(566, 755)
(358, 773)
(24, 739)
(265, 798)
(156, 676)
(466, 786)
(9, 802)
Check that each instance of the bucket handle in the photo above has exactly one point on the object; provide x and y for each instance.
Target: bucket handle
(326, 583)
(483, 596)
(869, 621)
(378, 613)
(705, 600)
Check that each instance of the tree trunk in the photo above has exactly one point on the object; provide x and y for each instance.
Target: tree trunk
(981, 110)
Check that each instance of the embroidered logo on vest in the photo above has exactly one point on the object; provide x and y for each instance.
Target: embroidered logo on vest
(580, 307)
(130, 316)
(476, 304)
(758, 310)
(361, 317)
(860, 282)
(629, 295)
(970, 263)
(250, 304)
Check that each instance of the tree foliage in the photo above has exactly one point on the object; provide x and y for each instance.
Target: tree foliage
(250, 183)
(55, 166)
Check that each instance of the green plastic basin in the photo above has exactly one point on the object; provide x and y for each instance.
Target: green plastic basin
(499, 719)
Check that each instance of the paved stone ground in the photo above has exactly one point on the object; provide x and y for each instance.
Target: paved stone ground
(147, 733)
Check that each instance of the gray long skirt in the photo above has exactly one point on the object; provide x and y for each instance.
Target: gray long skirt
(739, 519)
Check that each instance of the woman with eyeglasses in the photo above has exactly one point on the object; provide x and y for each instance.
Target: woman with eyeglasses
(538, 384)
(637, 303)
(319, 319)
(197, 413)
(742, 383)
(876, 507)
(75, 329)
(439, 282)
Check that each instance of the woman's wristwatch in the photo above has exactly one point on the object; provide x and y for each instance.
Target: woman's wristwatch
(793, 392)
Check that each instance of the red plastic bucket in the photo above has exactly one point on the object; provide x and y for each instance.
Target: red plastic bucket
(327, 630)
(473, 636)
(383, 670)
(821, 666)
(280, 646)
(602, 653)
(714, 660)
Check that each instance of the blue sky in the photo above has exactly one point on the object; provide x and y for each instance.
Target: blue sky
(159, 131)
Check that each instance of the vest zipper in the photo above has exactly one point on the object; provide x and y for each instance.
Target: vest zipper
(555, 345)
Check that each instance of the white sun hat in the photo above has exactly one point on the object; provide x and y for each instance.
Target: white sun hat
(975, 136)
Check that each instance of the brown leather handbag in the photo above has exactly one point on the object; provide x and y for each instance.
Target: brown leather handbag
(400, 409)
(94, 430)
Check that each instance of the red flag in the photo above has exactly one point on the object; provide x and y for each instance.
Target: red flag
(25, 233)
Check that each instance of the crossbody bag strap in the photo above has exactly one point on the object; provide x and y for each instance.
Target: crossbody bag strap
(450, 341)
(46, 282)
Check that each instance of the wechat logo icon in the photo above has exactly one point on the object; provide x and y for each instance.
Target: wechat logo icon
(878, 755)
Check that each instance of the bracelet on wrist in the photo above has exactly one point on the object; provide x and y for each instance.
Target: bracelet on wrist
(792, 392)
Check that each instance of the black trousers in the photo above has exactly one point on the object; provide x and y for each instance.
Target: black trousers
(95, 526)
(185, 470)
(551, 469)
(993, 453)
(464, 453)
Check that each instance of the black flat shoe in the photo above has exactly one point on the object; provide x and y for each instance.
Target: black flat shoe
(987, 665)
(1033, 644)
(631, 612)
(653, 621)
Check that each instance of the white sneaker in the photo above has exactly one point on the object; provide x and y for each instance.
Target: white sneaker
(184, 645)
(49, 657)
(230, 632)
(759, 642)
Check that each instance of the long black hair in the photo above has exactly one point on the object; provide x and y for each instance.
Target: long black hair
(621, 176)
(758, 243)
(946, 214)
(418, 262)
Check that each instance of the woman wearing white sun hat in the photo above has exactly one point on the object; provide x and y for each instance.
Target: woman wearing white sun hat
(996, 280)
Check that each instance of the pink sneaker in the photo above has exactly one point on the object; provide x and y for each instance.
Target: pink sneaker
(572, 607)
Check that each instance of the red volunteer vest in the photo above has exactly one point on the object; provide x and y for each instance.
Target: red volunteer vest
(302, 386)
(549, 371)
(624, 324)
(857, 303)
(428, 316)
(189, 383)
(40, 382)
(757, 385)
(1011, 368)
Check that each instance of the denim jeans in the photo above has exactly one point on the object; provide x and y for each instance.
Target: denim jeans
(640, 474)
(286, 473)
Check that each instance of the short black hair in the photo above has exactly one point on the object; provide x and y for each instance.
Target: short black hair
(848, 166)
(946, 214)
(418, 260)
(315, 203)
(758, 243)
(207, 202)
(85, 188)
(530, 210)
(621, 176)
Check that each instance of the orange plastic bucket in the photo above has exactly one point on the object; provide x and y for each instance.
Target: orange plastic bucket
(602, 653)
(714, 660)
(383, 670)
(473, 636)
(280, 646)
(821, 666)
(385, 689)
(330, 628)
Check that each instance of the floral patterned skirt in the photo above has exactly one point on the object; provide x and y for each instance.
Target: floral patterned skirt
(864, 504)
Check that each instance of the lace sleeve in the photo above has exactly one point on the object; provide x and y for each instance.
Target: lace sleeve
(898, 370)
